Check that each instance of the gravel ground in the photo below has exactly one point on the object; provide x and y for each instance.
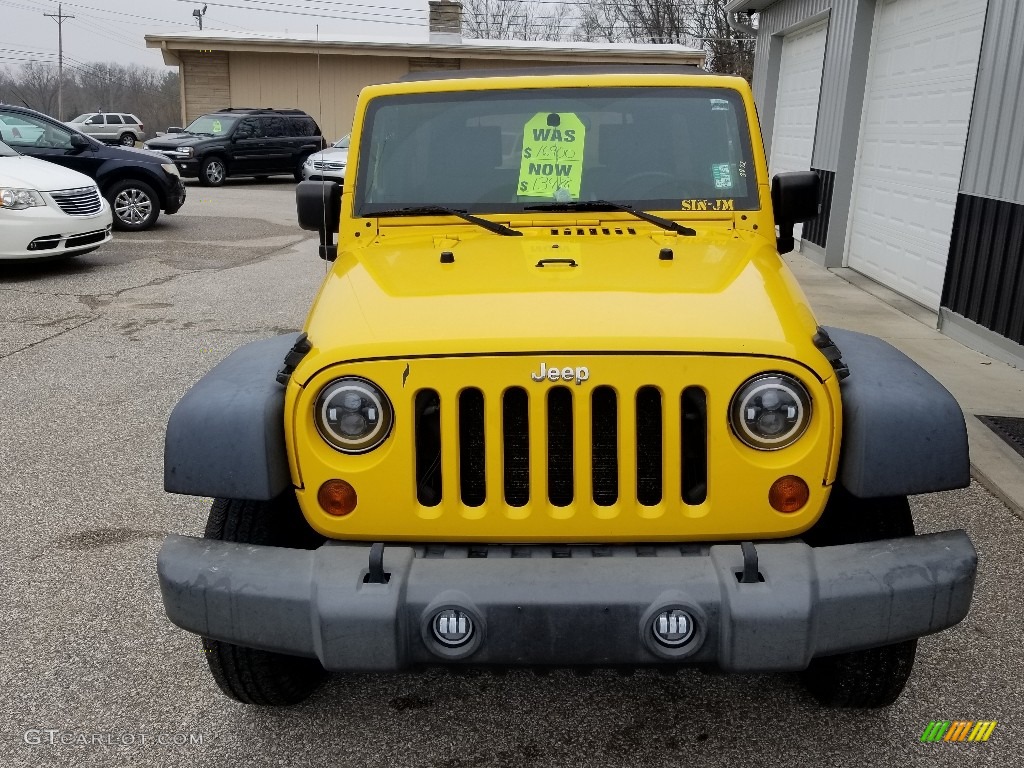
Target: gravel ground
(95, 352)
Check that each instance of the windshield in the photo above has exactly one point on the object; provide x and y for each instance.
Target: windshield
(82, 118)
(491, 151)
(342, 143)
(212, 125)
(6, 151)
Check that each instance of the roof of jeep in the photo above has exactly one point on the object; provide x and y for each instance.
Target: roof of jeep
(583, 69)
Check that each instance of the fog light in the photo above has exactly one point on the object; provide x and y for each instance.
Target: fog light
(337, 498)
(788, 494)
(673, 628)
(452, 627)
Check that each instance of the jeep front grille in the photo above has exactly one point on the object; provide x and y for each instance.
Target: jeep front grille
(624, 454)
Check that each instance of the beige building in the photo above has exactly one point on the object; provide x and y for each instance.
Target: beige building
(323, 77)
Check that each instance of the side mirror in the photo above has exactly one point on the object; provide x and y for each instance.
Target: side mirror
(79, 142)
(175, 129)
(794, 199)
(318, 204)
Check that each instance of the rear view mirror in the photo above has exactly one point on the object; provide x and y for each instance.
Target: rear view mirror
(794, 199)
(318, 204)
(78, 141)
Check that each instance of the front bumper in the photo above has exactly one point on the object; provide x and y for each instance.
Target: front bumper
(46, 231)
(575, 605)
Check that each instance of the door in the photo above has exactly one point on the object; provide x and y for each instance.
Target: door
(50, 140)
(796, 106)
(279, 143)
(248, 147)
(917, 106)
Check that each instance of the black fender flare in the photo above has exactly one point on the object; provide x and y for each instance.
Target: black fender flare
(225, 437)
(903, 432)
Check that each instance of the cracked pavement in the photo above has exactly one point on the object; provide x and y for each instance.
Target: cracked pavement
(95, 352)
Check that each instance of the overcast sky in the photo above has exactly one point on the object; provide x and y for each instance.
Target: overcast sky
(113, 30)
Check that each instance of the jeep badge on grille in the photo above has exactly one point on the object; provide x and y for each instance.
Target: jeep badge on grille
(579, 374)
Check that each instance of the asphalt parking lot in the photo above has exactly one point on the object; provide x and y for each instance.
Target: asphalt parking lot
(95, 352)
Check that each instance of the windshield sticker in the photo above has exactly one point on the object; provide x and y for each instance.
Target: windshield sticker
(723, 175)
(216, 126)
(552, 164)
(708, 205)
(720, 105)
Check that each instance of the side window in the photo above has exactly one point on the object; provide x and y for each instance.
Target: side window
(275, 127)
(130, 119)
(249, 128)
(113, 120)
(28, 131)
(95, 120)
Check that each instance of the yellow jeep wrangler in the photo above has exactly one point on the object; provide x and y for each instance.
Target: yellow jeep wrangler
(560, 402)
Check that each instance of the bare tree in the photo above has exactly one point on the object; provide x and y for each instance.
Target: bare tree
(514, 20)
(151, 94)
(696, 23)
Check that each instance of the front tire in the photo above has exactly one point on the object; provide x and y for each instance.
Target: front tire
(212, 172)
(249, 675)
(874, 677)
(134, 205)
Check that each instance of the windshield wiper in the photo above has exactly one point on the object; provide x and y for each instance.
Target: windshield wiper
(435, 210)
(608, 205)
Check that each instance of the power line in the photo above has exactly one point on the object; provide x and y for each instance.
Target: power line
(388, 19)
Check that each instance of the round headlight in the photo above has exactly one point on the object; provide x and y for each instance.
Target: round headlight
(353, 415)
(770, 411)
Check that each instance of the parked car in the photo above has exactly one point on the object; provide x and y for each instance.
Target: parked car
(111, 127)
(137, 184)
(328, 165)
(242, 142)
(47, 211)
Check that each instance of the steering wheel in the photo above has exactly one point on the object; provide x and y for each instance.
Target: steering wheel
(656, 179)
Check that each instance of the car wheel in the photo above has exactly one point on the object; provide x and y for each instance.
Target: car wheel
(134, 204)
(127, 140)
(298, 168)
(874, 677)
(212, 172)
(249, 675)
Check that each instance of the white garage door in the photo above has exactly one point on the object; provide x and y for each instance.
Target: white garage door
(796, 106)
(921, 72)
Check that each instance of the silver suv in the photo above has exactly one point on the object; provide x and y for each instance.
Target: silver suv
(113, 127)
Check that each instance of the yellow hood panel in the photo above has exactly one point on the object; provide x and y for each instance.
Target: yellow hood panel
(722, 292)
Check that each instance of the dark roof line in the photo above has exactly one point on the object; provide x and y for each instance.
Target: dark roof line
(572, 69)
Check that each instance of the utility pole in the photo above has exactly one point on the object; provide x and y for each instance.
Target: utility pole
(60, 18)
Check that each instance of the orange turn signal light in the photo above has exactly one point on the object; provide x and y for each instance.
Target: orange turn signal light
(337, 498)
(788, 494)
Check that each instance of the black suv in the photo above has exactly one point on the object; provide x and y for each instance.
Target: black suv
(242, 142)
(137, 184)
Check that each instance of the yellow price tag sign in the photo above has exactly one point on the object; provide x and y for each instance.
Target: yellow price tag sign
(552, 163)
(216, 126)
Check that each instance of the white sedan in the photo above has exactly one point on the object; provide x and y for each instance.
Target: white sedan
(47, 211)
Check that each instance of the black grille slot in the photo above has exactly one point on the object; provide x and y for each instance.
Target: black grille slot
(695, 445)
(515, 422)
(560, 459)
(648, 446)
(427, 410)
(604, 426)
(471, 447)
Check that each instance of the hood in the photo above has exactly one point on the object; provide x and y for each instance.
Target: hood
(720, 293)
(30, 173)
(173, 140)
(331, 155)
(133, 155)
